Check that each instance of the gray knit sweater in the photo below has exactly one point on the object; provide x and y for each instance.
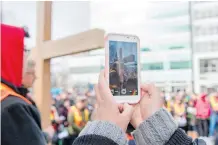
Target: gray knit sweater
(159, 129)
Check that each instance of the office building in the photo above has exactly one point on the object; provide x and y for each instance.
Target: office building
(164, 33)
(167, 56)
(205, 46)
(167, 59)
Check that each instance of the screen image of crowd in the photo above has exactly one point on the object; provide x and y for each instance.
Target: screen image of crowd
(196, 114)
(123, 68)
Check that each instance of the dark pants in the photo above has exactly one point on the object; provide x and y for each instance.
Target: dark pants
(202, 127)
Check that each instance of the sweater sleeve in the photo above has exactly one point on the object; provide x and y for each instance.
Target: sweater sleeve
(20, 125)
(156, 130)
(106, 130)
(180, 138)
(161, 129)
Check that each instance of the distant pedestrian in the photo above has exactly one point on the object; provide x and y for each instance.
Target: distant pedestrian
(203, 114)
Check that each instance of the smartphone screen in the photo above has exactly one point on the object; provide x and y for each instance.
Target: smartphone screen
(123, 67)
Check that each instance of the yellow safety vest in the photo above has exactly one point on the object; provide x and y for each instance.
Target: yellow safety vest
(168, 107)
(214, 102)
(7, 91)
(78, 118)
(179, 109)
(52, 116)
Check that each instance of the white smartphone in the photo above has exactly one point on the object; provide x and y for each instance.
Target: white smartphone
(123, 67)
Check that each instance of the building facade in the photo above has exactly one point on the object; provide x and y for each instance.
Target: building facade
(179, 42)
(167, 62)
(205, 46)
(165, 47)
(177, 51)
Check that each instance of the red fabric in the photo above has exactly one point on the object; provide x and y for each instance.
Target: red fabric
(12, 49)
(203, 107)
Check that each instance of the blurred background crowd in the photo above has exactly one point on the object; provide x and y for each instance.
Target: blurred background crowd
(196, 114)
(70, 111)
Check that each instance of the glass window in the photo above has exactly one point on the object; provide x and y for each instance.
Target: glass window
(197, 2)
(208, 65)
(181, 11)
(145, 49)
(180, 65)
(208, 46)
(206, 13)
(184, 28)
(176, 47)
(178, 88)
(209, 90)
(208, 30)
(203, 89)
(152, 66)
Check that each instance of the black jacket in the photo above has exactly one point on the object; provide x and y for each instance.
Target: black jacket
(20, 122)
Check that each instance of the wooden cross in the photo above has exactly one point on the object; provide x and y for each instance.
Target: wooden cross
(47, 49)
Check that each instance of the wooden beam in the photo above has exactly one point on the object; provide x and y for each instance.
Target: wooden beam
(47, 49)
(84, 41)
(44, 17)
(42, 84)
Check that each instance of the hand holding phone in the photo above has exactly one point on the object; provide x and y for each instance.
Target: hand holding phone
(123, 67)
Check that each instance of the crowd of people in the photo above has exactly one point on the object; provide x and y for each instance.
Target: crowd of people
(197, 114)
(70, 111)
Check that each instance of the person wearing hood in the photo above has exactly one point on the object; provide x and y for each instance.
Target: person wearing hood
(203, 114)
(20, 119)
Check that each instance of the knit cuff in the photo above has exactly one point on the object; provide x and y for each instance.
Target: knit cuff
(106, 129)
(180, 138)
(156, 130)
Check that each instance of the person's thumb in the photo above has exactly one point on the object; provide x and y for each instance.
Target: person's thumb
(127, 111)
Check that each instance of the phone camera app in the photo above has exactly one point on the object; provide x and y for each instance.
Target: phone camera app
(123, 68)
